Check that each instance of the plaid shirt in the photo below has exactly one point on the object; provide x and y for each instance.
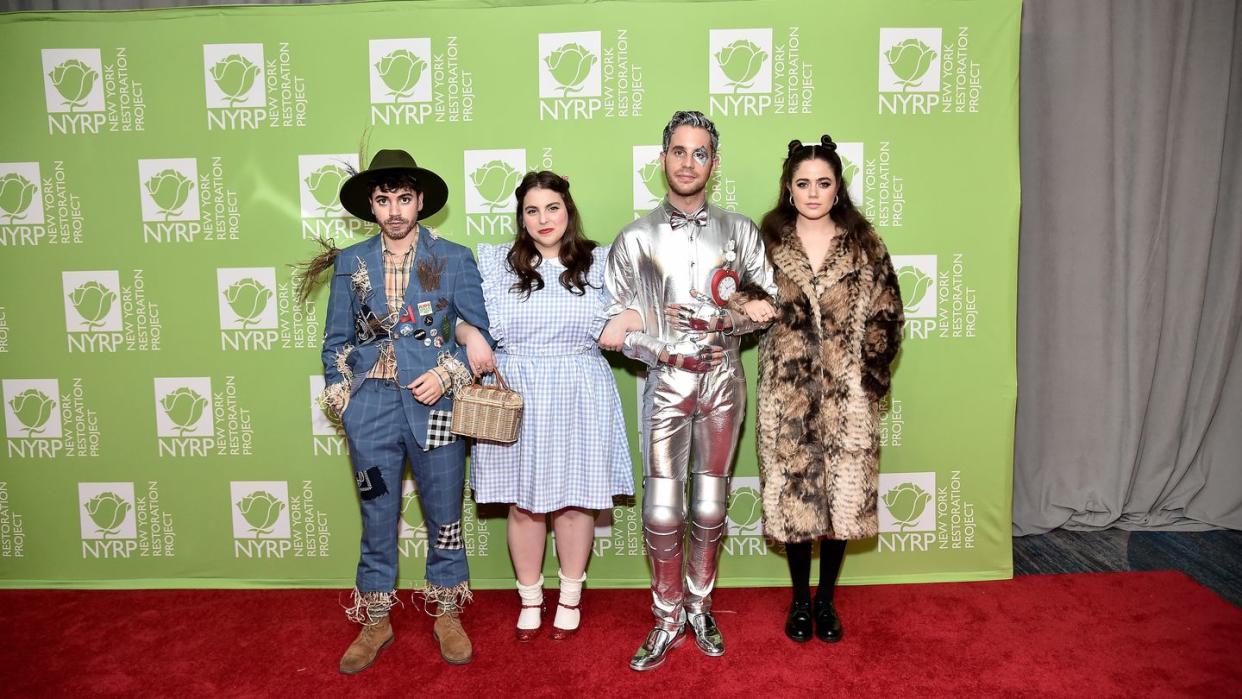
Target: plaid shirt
(396, 278)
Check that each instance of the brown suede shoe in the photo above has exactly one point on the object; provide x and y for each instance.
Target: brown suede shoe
(366, 647)
(455, 645)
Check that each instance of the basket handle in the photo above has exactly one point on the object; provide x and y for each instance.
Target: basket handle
(500, 380)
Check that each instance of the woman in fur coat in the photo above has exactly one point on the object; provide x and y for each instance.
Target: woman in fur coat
(823, 369)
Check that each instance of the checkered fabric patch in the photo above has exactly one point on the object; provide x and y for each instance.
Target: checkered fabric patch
(449, 536)
(439, 433)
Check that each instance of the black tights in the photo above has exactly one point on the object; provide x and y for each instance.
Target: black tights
(831, 552)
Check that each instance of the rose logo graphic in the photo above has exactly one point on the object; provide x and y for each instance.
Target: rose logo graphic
(848, 170)
(32, 408)
(261, 509)
(108, 511)
(906, 503)
(401, 70)
(914, 285)
(169, 190)
(744, 509)
(324, 185)
(247, 297)
(652, 175)
(909, 61)
(183, 407)
(741, 62)
(73, 79)
(570, 65)
(412, 514)
(234, 75)
(495, 182)
(92, 301)
(16, 194)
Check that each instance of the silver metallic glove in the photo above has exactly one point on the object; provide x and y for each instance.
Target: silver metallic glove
(693, 357)
(702, 318)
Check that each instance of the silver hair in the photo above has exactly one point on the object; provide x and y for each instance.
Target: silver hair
(696, 120)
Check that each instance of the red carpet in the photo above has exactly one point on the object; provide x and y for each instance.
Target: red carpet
(1094, 635)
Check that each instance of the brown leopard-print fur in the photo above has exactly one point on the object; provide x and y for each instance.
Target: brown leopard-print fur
(823, 369)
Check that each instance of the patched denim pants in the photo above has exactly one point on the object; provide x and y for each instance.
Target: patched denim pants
(379, 444)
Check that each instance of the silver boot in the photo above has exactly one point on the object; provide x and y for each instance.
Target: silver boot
(706, 635)
(652, 652)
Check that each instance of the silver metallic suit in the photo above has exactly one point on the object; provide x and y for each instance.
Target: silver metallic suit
(685, 413)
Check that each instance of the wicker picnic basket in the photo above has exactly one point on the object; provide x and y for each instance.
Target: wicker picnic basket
(489, 413)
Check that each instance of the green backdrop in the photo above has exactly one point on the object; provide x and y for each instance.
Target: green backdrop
(160, 170)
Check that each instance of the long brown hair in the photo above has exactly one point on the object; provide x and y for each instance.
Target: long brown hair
(784, 215)
(575, 248)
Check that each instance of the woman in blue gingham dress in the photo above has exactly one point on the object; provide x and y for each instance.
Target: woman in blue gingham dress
(572, 450)
(572, 454)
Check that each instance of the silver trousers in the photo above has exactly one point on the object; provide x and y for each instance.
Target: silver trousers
(691, 424)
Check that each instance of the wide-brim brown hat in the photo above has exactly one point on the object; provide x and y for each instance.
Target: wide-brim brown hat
(356, 192)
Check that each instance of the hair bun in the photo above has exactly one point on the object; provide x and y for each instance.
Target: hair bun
(827, 142)
(794, 145)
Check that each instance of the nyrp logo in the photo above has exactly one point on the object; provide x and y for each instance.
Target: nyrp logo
(236, 88)
(260, 312)
(412, 531)
(327, 433)
(320, 178)
(909, 70)
(570, 75)
(650, 186)
(21, 200)
(270, 522)
(744, 519)
(93, 310)
(491, 177)
(852, 161)
(168, 192)
(86, 95)
(41, 422)
(907, 511)
(72, 80)
(108, 522)
(102, 315)
(32, 418)
(401, 81)
(319, 186)
(32, 409)
(260, 513)
(179, 206)
(917, 276)
(739, 71)
(38, 206)
(184, 422)
(246, 297)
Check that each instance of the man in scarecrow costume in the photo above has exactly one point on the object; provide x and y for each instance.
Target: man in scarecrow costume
(391, 365)
(677, 267)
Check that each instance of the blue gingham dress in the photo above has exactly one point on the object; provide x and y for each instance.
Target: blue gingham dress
(572, 450)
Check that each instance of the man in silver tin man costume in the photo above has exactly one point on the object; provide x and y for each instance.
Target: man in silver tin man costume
(677, 267)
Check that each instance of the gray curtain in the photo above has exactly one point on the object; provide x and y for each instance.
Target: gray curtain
(1129, 293)
(1129, 304)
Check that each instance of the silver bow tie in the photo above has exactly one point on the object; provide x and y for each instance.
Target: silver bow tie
(677, 219)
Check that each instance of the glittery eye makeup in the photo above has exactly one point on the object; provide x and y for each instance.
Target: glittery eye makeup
(700, 156)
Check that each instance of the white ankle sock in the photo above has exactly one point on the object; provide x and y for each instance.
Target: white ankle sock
(571, 595)
(531, 615)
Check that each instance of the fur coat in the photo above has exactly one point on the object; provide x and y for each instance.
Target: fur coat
(823, 369)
